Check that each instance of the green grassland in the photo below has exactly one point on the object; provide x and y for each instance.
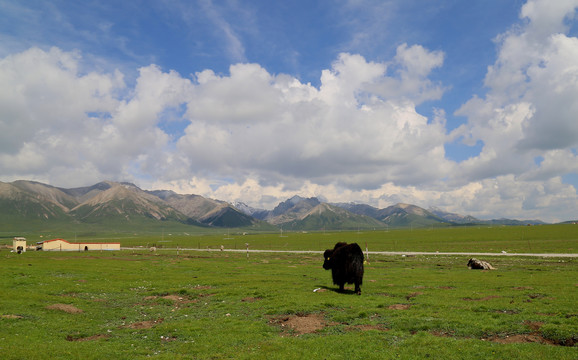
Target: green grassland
(512, 239)
(137, 304)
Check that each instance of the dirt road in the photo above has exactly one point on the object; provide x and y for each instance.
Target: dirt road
(390, 253)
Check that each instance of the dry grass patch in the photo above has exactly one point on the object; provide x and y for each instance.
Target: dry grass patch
(177, 300)
(399, 307)
(203, 287)
(10, 316)
(70, 309)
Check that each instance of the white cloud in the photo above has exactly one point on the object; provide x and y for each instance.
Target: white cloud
(553, 163)
(548, 17)
(57, 123)
(39, 83)
(246, 123)
(259, 137)
(253, 122)
(531, 103)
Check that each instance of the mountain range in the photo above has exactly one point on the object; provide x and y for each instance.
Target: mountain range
(109, 204)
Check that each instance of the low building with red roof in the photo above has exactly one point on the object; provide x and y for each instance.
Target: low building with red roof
(63, 245)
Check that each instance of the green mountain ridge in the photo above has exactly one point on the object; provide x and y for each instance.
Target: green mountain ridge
(33, 205)
(325, 216)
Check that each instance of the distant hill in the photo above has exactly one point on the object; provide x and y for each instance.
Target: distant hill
(399, 215)
(325, 216)
(121, 202)
(453, 218)
(203, 210)
(32, 202)
(28, 205)
(208, 211)
(120, 205)
(511, 222)
(293, 209)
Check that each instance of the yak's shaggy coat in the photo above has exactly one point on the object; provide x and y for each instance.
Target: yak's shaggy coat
(346, 264)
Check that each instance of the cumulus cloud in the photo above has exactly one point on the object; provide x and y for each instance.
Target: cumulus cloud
(254, 136)
(358, 129)
(294, 132)
(59, 124)
(531, 103)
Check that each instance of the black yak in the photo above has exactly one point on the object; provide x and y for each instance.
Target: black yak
(346, 264)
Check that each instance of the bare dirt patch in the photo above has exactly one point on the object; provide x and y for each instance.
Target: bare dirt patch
(70, 309)
(88, 338)
(534, 337)
(412, 295)
(520, 338)
(534, 325)
(482, 299)
(251, 299)
(399, 307)
(144, 324)
(299, 324)
(508, 339)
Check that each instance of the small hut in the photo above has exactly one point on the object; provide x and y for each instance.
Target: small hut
(19, 245)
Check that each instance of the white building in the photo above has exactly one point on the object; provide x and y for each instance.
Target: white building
(19, 245)
(63, 245)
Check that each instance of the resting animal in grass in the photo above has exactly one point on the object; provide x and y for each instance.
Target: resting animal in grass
(474, 263)
(346, 264)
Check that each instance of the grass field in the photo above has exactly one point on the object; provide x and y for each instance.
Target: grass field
(222, 305)
(513, 239)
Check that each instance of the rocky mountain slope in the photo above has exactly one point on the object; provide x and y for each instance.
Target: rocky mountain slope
(112, 203)
(106, 203)
(329, 217)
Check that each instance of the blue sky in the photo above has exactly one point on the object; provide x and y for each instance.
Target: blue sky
(464, 105)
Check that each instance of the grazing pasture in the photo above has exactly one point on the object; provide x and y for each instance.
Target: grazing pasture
(222, 305)
(512, 239)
